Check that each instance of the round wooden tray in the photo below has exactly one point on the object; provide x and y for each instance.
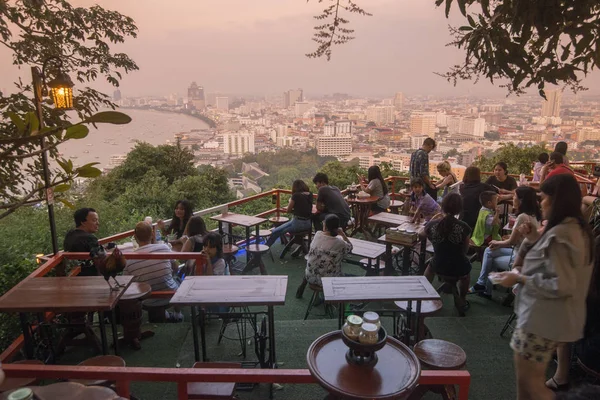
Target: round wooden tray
(393, 377)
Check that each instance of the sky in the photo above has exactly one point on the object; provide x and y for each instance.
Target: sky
(258, 47)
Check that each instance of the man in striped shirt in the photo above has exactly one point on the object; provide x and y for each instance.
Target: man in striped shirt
(157, 273)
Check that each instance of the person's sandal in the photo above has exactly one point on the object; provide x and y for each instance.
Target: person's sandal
(554, 386)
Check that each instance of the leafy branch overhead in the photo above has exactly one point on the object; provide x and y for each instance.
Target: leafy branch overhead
(529, 43)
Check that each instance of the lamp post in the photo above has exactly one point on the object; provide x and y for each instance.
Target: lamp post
(61, 88)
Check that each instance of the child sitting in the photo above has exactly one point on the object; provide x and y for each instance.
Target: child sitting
(487, 227)
(213, 249)
(424, 205)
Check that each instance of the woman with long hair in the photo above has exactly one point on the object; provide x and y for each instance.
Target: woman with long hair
(499, 255)
(196, 230)
(377, 187)
(300, 205)
(450, 239)
(470, 191)
(182, 214)
(552, 273)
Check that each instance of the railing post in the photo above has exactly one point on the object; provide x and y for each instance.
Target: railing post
(278, 203)
(123, 388)
(182, 393)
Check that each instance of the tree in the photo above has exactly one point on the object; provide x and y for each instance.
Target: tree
(340, 175)
(492, 135)
(529, 43)
(451, 153)
(519, 161)
(35, 31)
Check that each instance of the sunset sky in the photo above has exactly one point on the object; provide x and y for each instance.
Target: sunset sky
(258, 47)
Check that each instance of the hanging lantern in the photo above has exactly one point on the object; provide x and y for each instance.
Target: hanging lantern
(61, 91)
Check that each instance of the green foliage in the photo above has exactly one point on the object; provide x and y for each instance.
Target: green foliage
(342, 175)
(529, 43)
(519, 160)
(492, 135)
(451, 153)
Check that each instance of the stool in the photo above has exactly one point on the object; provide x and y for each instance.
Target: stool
(297, 238)
(508, 324)
(266, 234)
(99, 361)
(438, 355)
(229, 251)
(428, 308)
(364, 264)
(316, 290)
(449, 285)
(278, 221)
(212, 390)
(130, 311)
(255, 252)
(395, 206)
(15, 383)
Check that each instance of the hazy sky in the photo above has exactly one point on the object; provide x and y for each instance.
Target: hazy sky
(259, 46)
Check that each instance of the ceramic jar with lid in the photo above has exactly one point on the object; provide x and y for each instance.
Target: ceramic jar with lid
(352, 326)
(372, 317)
(369, 333)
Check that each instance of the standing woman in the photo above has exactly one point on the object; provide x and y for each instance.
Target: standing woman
(181, 216)
(301, 206)
(378, 188)
(552, 284)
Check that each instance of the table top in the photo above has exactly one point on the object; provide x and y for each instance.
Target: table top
(396, 373)
(63, 294)
(364, 248)
(238, 290)
(239, 219)
(363, 200)
(137, 291)
(393, 220)
(378, 288)
(384, 239)
(71, 391)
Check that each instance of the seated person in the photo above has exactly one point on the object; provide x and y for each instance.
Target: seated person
(82, 239)
(555, 166)
(537, 167)
(499, 254)
(487, 227)
(329, 201)
(182, 214)
(196, 230)
(470, 191)
(450, 239)
(157, 273)
(327, 251)
(448, 178)
(301, 206)
(378, 188)
(504, 183)
(424, 205)
(213, 248)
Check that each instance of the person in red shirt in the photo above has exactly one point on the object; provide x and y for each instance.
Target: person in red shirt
(555, 166)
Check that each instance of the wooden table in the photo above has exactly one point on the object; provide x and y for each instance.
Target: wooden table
(379, 288)
(71, 391)
(369, 250)
(246, 221)
(361, 207)
(63, 295)
(235, 290)
(394, 376)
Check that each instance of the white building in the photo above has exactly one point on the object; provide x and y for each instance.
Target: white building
(300, 108)
(285, 141)
(399, 101)
(381, 115)
(417, 141)
(334, 145)
(291, 97)
(551, 106)
(340, 127)
(466, 126)
(222, 103)
(423, 123)
(238, 143)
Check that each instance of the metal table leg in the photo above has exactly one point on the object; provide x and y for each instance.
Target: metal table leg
(114, 331)
(389, 267)
(341, 315)
(26, 336)
(195, 334)
(203, 335)
(103, 333)
(409, 329)
(422, 256)
(417, 322)
(406, 260)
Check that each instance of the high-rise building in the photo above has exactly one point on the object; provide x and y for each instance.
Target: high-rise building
(423, 123)
(340, 127)
(466, 126)
(300, 108)
(334, 145)
(381, 115)
(196, 96)
(222, 103)
(551, 106)
(291, 97)
(238, 143)
(399, 101)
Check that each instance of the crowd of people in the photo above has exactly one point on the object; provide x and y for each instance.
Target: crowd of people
(548, 259)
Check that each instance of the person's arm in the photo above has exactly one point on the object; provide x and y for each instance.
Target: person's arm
(369, 188)
(290, 206)
(342, 234)
(444, 182)
(209, 266)
(320, 201)
(188, 246)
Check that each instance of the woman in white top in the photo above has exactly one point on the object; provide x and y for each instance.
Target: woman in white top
(327, 250)
(377, 187)
(500, 253)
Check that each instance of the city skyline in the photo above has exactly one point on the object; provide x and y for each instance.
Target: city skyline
(234, 47)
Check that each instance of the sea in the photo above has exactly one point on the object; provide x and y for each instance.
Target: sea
(111, 141)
